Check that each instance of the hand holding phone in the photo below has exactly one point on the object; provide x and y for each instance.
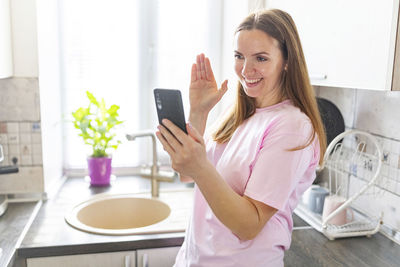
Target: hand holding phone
(169, 106)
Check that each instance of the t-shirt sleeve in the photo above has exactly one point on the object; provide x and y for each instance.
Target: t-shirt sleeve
(276, 170)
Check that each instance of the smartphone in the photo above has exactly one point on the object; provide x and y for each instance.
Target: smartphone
(169, 106)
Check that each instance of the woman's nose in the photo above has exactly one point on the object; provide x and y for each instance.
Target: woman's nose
(247, 68)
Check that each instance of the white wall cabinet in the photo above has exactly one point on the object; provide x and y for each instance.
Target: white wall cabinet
(347, 44)
(6, 66)
(123, 258)
(24, 37)
(157, 257)
(154, 257)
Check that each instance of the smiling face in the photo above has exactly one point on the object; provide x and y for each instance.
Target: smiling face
(258, 65)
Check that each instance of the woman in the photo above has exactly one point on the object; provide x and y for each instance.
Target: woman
(262, 158)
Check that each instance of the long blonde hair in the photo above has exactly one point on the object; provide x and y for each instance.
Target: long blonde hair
(295, 83)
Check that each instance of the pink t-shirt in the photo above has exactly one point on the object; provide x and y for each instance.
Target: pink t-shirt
(256, 163)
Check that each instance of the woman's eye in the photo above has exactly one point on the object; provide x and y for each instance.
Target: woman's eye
(261, 59)
(237, 56)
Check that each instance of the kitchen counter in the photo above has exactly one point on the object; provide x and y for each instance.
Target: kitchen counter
(311, 248)
(50, 235)
(12, 224)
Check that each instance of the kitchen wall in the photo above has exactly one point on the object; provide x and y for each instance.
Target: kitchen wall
(20, 135)
(377, 113)
(34, 50)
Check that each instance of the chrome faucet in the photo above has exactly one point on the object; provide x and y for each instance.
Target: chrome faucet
(1, 153)
(10, 168)
(154, 173)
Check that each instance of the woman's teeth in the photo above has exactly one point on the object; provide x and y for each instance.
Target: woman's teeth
(251, 81)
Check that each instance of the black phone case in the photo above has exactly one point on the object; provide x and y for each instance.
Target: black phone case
(169, 106)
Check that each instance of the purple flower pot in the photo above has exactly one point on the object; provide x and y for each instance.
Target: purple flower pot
(99, 171)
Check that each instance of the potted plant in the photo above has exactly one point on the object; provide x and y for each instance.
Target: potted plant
(96, 124)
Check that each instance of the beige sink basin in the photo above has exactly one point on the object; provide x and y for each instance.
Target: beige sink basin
(118, 214)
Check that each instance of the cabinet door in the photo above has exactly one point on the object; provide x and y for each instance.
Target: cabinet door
(6, 67)
(157, 257)
(124, 258)
(346, 43)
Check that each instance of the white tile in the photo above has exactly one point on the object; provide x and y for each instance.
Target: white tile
(384, 182)
(384, 170)
(387, 145)
(391, 185)
(36, 138)
(13, 149)
(25, 138)
(376, 112)
(391, 209)
(25, 149)
(3, 139)
(380, 141)
(26, 160)
(36, 128)
(12, 127)
(386, 156)
(395, 147)
(398, 189)
(25, 127)
(27, 180)
(3, 126)
(13, 138)
(393, 173)
(37, 159)
(12, 156)
(394, 158)
(36, 149)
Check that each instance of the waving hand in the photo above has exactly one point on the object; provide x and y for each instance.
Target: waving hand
(203, 92)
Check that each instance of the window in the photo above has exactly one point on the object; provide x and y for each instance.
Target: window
(121, 50)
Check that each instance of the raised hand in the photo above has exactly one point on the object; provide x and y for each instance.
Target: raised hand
(203, 92)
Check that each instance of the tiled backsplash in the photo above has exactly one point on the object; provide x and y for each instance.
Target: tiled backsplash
(391, 164)
(21, 143)
(20, 135)
(377, 113)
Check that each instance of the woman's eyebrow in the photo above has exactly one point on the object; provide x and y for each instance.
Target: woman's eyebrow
(255, 54)
(261, 53)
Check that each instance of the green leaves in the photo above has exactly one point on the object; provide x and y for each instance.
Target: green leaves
(96, 124)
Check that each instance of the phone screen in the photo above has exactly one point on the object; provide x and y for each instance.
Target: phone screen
(169, 106)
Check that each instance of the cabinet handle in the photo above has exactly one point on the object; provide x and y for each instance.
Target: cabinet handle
(319, 77)
(145, 260)
(128, 261)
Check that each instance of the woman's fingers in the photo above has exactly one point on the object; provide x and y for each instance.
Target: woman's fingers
(198, 67)
(194, 73)
(170, 138)
(208, 70)
(201, 67)
(202, 70)
(224, 88)
(165, 143)
(177, 134)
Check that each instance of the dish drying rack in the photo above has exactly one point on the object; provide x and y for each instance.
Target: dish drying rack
(352, 163)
